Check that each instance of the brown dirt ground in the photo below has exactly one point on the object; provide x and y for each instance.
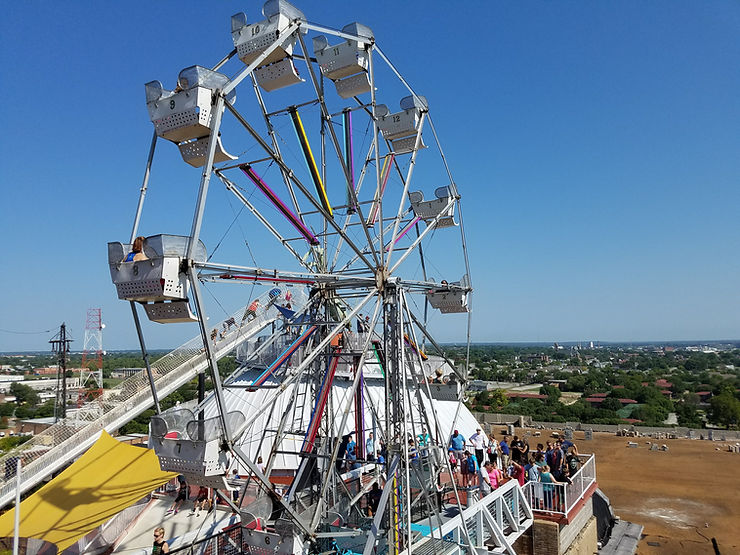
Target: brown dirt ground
(683, 497)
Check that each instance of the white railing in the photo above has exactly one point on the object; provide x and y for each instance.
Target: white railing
(50, 450)
(561, 498)
(497, 519)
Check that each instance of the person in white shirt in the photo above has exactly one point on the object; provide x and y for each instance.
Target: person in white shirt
(492, 448)
(478, 440)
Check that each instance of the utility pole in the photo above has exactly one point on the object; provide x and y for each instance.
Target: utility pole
(60, 345)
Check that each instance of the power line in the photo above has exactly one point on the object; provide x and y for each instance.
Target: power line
(24, 332)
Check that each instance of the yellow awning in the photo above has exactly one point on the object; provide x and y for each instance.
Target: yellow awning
(109, 477)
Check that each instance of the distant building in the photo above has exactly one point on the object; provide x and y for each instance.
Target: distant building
(41, 385)
(515, 395)
(125, 372)
(49, 371)
(543, 359)
(560, 384)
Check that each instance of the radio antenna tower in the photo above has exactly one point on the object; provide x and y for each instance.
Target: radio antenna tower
(60, 345)
(91, 374)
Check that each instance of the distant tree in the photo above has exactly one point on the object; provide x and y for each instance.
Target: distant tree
(576, 382)
(551, 391)
(24, 412)
(24, 394)
(8, 443)
(686, 411)
(7, 409)
(649, 414)
(612, 404)
(46, 410)
(724, 409)
(696, 363)
(498, 398)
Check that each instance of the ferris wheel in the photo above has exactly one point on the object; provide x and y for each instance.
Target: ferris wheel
(336, 164)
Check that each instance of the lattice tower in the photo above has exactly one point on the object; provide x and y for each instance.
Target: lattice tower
(91, 374)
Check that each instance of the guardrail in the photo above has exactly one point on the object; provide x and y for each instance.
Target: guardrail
(561, 498)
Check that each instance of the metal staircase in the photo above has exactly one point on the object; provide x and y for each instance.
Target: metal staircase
(492, 524)
(50, 450)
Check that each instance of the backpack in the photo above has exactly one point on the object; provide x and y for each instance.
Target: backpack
(471, 463)
(573, 463)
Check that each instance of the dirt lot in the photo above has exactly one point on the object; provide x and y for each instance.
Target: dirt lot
(683, 497)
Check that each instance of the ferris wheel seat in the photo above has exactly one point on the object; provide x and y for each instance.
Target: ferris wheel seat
(353, 86)
(158, 277)
(190, 446)
(194, 152)
(451, 298)
(401, 128)
(170, 312)
(251, 40)
(186, 112)
(346, 63)
(428, 210)
(277, 75)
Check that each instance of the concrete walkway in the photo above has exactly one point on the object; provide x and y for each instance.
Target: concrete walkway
(180, 529)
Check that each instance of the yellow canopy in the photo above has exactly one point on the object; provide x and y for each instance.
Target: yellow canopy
(109, 477)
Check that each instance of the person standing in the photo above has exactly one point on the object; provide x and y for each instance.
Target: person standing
(182, 495)
(557, 461)
(504, 446)
(457, 442)
(516, 447)
(351, 453)
(524, 458)
(473, 468)
(548, 488)
(160, 544)
(370, 447)
(423, 440)
(478, 440)
(532, 474)
(373, 499)
(492, 448)
(342, 452)
(484, 479)
(495, 476)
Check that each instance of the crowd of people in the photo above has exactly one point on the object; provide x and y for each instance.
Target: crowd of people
(483, 462)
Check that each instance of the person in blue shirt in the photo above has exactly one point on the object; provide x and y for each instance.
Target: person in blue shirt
(351, 454)
(137, 251)
(472, 470)
(370, 447)
(423, 439)
(504, 446)
(457, 443)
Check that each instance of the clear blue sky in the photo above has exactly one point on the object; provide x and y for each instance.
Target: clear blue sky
(596, 146)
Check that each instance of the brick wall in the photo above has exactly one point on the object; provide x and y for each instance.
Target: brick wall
(545, 538)
(523, 544)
